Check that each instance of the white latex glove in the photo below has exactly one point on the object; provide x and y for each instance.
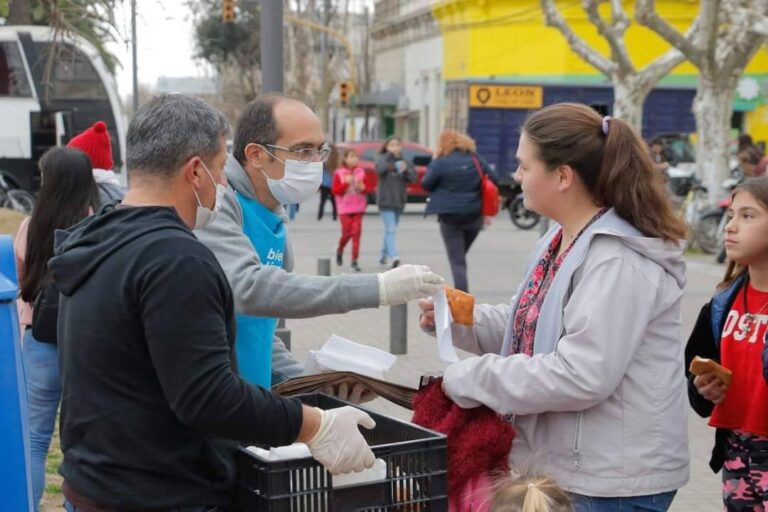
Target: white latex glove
(406, 283)
(338, 444)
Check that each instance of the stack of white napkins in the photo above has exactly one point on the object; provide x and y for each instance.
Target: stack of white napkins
(343, 355)
(301, 451)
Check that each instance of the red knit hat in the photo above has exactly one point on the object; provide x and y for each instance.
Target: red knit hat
(95, 143)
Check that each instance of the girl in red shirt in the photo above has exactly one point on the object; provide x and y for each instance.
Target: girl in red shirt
(731, 329)
(349, 189)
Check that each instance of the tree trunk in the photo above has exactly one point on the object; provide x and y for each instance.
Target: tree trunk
(20, 12)
(713, 108)
(628, 101)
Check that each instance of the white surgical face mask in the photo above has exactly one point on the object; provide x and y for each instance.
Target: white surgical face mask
(204, 216)
(300, 182)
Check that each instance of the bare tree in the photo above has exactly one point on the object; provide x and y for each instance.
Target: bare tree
(631, 86)
(720, 47)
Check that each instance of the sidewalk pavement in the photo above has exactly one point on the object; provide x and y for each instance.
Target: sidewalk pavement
(495, 265)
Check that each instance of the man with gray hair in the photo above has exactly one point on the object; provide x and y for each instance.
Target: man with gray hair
(152, 404)
(277, 159)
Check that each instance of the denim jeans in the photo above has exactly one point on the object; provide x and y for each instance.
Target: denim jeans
(41, 366)
(651, 503)
(390, 218)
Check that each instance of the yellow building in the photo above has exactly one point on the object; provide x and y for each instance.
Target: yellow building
(507, 41)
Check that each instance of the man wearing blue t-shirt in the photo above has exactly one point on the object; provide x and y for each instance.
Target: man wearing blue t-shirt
(277, 159)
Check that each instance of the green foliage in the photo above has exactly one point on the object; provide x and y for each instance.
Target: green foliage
(93, 20)
(223, 44)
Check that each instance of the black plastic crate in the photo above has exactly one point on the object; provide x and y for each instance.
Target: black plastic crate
(416, 473)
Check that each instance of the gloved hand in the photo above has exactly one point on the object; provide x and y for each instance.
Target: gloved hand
(358, 394)
(406, 283)
(338, 444)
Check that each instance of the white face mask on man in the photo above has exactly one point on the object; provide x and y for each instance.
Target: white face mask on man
(205, 216)
(299, 183)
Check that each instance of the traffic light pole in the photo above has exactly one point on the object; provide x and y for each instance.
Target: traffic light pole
(271, 46)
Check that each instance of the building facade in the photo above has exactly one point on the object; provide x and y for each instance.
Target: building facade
(408, 56)
(499, 60)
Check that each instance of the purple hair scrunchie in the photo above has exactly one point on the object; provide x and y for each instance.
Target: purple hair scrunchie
(605, 124)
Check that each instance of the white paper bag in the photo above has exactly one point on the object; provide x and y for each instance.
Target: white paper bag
(443, 321)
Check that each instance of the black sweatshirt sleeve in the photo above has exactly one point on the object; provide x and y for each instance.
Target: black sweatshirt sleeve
(702, 344)
(184, 308)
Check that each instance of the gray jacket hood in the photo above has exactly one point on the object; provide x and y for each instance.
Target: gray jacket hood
(668, 255)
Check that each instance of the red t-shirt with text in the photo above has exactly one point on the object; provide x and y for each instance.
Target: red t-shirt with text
(745, 407)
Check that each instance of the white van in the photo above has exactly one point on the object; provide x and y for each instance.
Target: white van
(36, 114)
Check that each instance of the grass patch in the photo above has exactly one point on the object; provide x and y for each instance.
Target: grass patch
(9, 221)
(52, 477)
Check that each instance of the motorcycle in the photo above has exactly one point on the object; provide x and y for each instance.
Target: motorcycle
(521, 216)
(14, 198)
(710, 233)
(689, 197)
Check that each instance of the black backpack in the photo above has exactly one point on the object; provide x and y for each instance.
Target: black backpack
(45, 314)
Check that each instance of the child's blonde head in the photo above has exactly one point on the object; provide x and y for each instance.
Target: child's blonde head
(529, 493)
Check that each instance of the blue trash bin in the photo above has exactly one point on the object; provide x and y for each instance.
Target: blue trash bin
(15, 484)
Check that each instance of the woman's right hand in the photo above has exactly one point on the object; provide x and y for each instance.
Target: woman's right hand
(710, 387)
(427, 317)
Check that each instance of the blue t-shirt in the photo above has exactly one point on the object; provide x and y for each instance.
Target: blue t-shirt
(266, 231)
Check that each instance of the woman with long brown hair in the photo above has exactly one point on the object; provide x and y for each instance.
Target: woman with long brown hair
(587, 358)
(453, 181)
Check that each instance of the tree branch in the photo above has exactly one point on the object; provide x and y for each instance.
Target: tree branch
(578, 45)
(650, 75)
(645, 13)
(709, 26)
(746, 41)
(614, 34)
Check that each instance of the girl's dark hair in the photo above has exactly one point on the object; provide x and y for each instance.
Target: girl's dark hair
(386, 143)
(757, 188)
(67, 193)
(615, 168)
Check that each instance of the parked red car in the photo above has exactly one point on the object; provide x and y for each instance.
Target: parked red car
(369, 151)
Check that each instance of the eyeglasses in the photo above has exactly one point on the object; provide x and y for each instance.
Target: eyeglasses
(307, 155)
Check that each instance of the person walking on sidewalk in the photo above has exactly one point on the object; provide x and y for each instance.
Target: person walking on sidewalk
(586, 359)
(394, 175)
(277, 154)
(349, 189)
(453, 180)
(326, 192)
(153, 408)
(68, 195)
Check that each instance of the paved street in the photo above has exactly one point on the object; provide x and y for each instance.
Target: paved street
(495, 267)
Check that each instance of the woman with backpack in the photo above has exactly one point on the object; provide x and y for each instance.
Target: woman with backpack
(453, 180)
(67, 195)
